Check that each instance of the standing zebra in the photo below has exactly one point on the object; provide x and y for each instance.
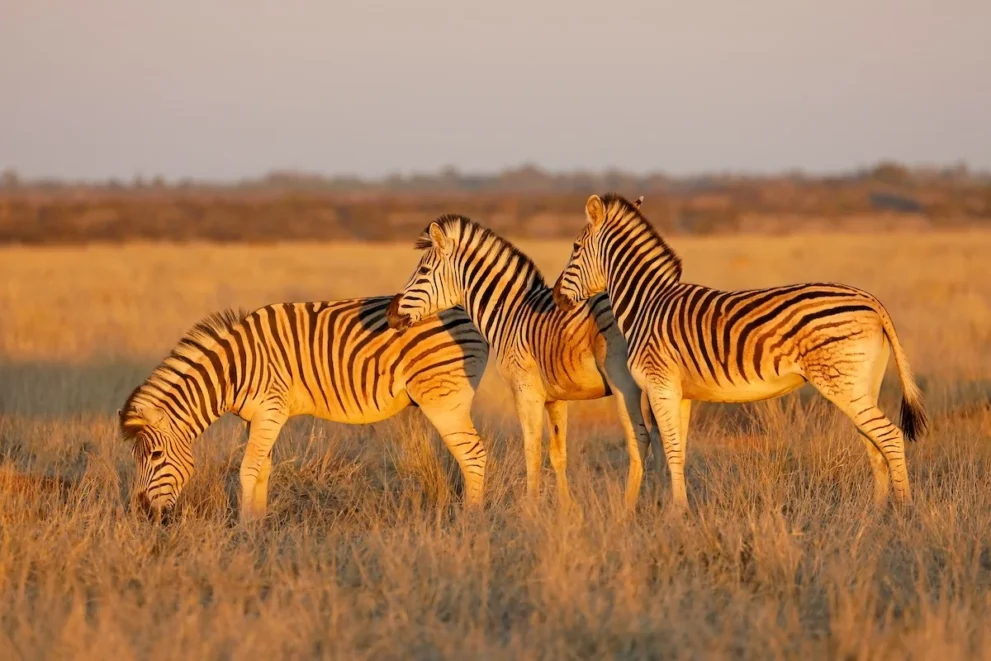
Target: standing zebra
(547, 356)
(335, 360)
(688, 342)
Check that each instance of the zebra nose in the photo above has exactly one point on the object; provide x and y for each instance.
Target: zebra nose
(562, 301)
(143, 503)
(397, 321)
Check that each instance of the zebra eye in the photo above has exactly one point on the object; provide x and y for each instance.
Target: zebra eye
(423, 270)
(156, 455)
(575, 247)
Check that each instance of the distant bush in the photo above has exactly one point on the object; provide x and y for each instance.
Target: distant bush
(526, 202)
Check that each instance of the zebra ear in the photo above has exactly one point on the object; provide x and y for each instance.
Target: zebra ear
(441, 242)
(638, 202)
(595, 211)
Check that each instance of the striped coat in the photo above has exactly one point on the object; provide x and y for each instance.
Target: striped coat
(689, 342)
(335, 360)
(546, 355)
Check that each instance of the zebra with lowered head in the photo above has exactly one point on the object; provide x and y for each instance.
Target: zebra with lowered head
(335, 360)
(547, 356)
(689, 342)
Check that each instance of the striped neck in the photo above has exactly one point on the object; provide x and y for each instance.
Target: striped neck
(638, 265)
(498, 284)
(191, 386)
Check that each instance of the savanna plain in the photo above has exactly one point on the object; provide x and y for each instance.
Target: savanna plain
(366, 552)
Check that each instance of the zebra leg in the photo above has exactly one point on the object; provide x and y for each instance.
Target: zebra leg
(557, 425)
(859, 404)
(686, 414)
(667, 412)
(887, 440)
(528, 405)
(460, 436)
(657, 448)
(631, 416)
(879, 465)
(257, 463)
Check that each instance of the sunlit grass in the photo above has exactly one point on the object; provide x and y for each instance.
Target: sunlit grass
(366, 552)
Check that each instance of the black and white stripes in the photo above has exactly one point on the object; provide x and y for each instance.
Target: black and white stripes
(335, 360)
(618, 321)
(688, 342)
(548, 356)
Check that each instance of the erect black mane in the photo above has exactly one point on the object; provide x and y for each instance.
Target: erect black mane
(451, 221)
(617, 205)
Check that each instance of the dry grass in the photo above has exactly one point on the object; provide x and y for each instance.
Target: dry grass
(366, 553)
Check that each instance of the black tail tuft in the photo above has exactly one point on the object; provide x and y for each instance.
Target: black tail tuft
(914, 422)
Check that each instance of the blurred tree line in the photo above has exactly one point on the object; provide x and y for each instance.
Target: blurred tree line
(521, 202)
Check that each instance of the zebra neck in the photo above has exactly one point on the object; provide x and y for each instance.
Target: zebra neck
(192, 426)
(498, 292)
(639, 268)
(192, 419)
(194, 391)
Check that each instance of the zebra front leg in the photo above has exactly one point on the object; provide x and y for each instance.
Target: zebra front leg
(557, 421)
(667, 406)
(686, 414)
(257, 463)
(459, 435)
(657, 451)
(528, 405)
(632, 417)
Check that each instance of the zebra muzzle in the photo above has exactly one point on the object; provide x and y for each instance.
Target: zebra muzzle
(396, 320)
(142, 503)
(560, 300)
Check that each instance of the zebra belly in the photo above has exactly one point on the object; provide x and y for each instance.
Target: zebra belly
(576, 391)
(586, 383)
(742, 392)
(352, 414)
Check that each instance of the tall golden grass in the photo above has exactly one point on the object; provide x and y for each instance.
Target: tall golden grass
(366, 553)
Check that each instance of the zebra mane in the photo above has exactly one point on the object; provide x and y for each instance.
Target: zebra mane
(457, 225)
(617, 206)
(162, 377)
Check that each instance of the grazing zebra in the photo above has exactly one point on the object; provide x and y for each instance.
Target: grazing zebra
(546, 355)
(335, 360)
(688, 342)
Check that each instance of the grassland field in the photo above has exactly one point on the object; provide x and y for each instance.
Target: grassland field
(366, 553)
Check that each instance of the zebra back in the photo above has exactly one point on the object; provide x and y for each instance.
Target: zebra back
(335, 359)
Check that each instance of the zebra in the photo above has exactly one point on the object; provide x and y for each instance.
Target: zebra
(547, 356)
(689, 342)
(336, 360)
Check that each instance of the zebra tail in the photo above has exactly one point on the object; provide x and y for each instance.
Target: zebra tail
(914, 421)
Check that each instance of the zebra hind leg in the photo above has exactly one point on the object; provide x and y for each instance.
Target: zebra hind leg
(452, 420)
(886, 439)
(879, 464)
(856, 395)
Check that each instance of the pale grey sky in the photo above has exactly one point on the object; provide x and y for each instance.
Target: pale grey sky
(231, 88)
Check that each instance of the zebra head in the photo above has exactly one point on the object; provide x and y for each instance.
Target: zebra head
(162, 458)
(433, 287)
(584, 276)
